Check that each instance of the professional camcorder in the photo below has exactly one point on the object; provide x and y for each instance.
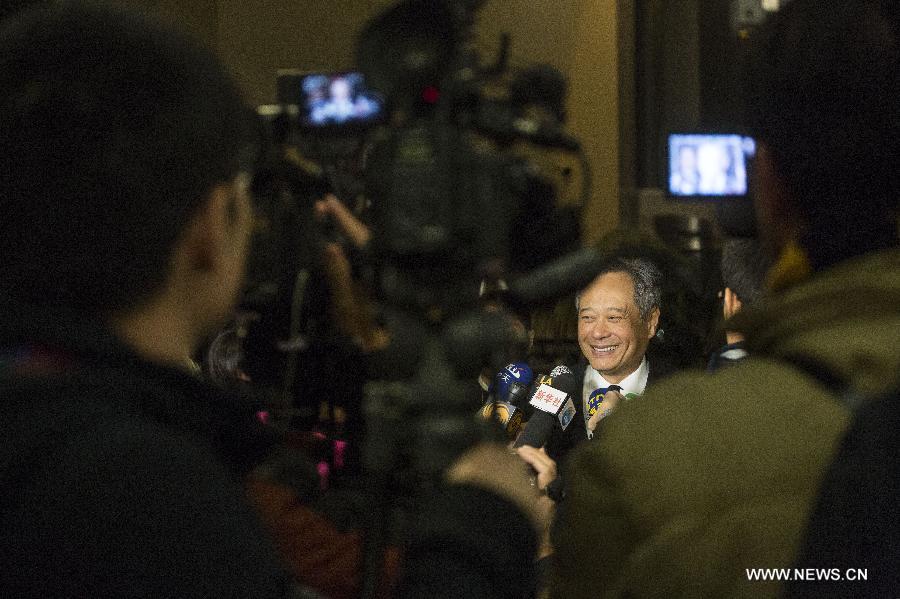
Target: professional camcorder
(427, 153)
(422, 140)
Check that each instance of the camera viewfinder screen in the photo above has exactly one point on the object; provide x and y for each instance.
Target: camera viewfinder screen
(338, 99)
(709, 165)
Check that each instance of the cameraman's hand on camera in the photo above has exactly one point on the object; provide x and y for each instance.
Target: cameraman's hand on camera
(351, 309)
(493, 467)
(352, 228)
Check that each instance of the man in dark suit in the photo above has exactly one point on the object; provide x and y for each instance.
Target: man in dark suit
(618, 315)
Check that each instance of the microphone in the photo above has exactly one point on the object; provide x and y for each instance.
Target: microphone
(552, 398)
(509, 388)
(570, 273)
(508, 415)
(511, 383)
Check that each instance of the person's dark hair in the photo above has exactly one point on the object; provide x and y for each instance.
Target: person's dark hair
(744, 266)
(114, 130)
(646, 278)
(9, 8)
(822, 96)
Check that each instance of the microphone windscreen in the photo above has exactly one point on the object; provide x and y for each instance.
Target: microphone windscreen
(518, 372)
(509, 417)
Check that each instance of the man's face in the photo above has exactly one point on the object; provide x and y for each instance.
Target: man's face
(611, 334)
(237, 228)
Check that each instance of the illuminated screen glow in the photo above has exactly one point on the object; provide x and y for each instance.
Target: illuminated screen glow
(711, 165)
(338, 99)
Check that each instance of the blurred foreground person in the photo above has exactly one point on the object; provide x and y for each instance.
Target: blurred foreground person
(708, 479)
(126, 157)
(854, 526)
(126, 152)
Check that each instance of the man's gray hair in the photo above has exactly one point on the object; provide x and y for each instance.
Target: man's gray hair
(645, 277)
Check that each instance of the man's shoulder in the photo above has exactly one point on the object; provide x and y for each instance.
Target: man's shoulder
(93, 416)
(767, 383)
(57, 429)
(759, 403)
(659, 368)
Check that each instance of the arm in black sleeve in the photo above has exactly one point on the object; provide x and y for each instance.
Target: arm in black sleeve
(129, 509)
(469, 542)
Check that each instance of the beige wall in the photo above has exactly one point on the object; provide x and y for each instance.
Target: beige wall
(256, 37)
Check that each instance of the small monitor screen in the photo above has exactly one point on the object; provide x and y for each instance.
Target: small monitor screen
(335, 99)
(709, 165)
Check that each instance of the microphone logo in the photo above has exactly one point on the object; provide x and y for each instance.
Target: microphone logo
(507, 415)
(560, 370)
(567, 414)
(595, 399)
(548, 399)
(511, 376)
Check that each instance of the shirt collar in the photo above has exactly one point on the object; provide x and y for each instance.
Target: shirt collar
(633, 384)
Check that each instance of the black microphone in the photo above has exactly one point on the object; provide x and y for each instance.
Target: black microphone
(553, 398)
(570, 273)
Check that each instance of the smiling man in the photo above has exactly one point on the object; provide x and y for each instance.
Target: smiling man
(618, 315)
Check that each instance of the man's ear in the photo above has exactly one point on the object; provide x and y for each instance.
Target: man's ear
(652, 323)
(731, 303)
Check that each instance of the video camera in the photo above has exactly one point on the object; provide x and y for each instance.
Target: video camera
(448, 199)
(450, 204)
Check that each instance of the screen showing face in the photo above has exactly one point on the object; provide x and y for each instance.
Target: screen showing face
(709, 164)
(338, 99)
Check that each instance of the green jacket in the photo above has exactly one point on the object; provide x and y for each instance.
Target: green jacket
(709, 475)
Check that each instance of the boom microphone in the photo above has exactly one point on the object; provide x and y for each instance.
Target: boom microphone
(552, 399)
(568, 274)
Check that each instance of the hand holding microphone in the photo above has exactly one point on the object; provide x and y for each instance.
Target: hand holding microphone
(543, 465)
(492, 467)
(353, 228)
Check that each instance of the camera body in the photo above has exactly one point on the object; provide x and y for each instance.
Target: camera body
(426, 134)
